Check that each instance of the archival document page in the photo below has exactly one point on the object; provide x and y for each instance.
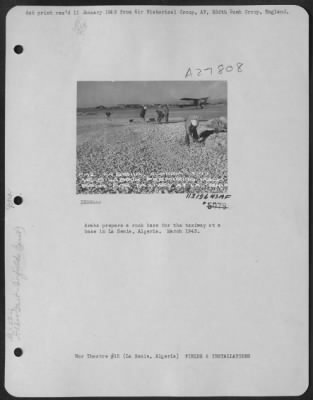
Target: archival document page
(156, 201)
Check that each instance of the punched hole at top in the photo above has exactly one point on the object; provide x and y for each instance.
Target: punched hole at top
(18, 352)
(18, 200)
(18, 49)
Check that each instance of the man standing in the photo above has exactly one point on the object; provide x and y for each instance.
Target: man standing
(143, 112)
(166, 112)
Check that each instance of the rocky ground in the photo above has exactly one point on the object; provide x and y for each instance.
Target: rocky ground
(148, 157)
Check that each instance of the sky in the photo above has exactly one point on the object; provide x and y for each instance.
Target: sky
(93, 94)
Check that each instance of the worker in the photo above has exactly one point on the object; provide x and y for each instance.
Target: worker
(191, 125)
(143, 112)
(160, 115)
(166, 112)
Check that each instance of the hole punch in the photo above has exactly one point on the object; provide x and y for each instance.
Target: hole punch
(18, 49)
(18, 200)
(18, 352)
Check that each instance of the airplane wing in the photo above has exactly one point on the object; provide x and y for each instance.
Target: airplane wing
(194, 98)
(198, 102)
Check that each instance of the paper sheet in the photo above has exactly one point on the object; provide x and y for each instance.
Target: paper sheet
(153, 255)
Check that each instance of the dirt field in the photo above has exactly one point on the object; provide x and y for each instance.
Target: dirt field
(115, 155)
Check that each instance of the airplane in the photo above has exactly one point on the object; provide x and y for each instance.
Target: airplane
(196, 102)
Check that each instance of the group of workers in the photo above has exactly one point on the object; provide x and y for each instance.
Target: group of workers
(162, 113)
(214, 125)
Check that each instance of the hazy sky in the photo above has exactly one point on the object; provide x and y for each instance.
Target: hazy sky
(92, 94)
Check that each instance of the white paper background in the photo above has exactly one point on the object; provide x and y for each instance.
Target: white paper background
(240, 289)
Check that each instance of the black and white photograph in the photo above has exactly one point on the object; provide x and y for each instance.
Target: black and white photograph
(152, 137)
